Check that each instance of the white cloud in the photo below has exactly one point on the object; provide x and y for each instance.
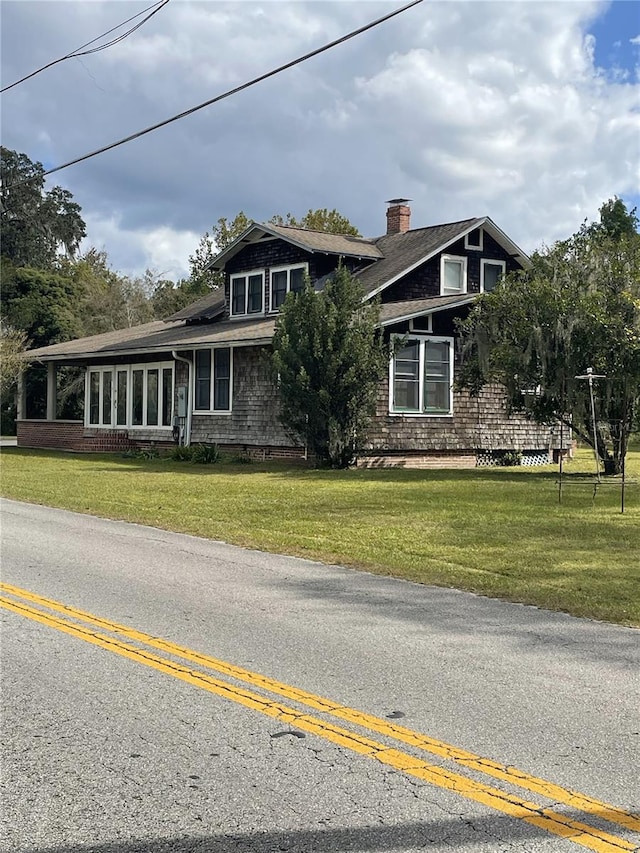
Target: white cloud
(467, 108)
(163, 250)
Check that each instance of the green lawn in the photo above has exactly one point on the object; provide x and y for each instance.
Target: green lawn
(498, 532)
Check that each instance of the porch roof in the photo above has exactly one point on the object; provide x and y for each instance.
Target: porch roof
(160, 336)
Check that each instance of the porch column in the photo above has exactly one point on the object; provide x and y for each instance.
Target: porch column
(21, 396)
(52, 392)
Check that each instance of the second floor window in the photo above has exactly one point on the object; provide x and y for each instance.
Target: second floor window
(453, 275)
(247, 293)
(490, 274)
(285, 280)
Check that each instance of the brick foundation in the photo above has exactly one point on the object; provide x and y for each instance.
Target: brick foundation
(57, 435)
(418, 460)
(73, 435)
(262, 453)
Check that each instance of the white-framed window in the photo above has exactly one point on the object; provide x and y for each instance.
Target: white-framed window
(130, 396)
(421, 377)
(213, 380)
(247, 293)
(421, 324)
(285, 280)
(474, 239)
(490, 274)
(453, 275)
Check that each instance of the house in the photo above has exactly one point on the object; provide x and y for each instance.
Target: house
(202, 375)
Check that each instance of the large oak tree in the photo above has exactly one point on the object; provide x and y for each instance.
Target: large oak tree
(578, 307)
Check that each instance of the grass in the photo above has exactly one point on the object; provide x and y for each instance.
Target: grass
(498, 532)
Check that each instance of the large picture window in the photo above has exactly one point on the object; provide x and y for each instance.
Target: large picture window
(135, 395)
(286, 280)
(247, 293)
(421, 376)
(213, 380)
(453, 275)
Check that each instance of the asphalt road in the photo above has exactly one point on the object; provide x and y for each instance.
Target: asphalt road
(481, 716)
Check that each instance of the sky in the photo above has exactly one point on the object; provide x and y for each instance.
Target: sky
(525, 111)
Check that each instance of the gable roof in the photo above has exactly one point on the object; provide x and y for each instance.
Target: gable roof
(311, 241)
(394, 255)
(407, 250)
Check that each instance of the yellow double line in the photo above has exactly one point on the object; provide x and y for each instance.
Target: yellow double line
(82, 625)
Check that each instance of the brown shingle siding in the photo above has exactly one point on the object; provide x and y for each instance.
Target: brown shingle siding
(254, 416)
(478, 423)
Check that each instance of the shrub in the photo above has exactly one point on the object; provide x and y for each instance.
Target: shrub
(205, 454)
(181, 453)
(510, 458)
(145, 453)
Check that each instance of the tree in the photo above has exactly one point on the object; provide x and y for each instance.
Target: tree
(329, 221)
(12, 361)
(107, 299)
(35, 224)
(577, 307)
(202, 279)
(43, 304)
(329, 357)
(615, 220)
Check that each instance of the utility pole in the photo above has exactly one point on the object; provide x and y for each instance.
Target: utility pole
(590, 376)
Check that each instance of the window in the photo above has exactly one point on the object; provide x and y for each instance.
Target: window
(421, 324)
(474, 239)
(221, 379)
(453, 275)
(421, 375)
(167, 395)
(137, 395)
(490, 274)
(94, 397)
(100, 396)
(107, 382)
(285, 280)
(213, 380)
(203, 379)
(246, 293)
(121, 397)
(130, 396)
(152, 397)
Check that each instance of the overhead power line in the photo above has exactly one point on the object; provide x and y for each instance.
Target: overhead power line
(80, 51)
(237, 89)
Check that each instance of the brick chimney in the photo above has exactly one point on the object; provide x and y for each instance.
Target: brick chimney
(398, 216)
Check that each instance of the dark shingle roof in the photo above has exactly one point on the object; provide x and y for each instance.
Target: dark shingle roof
(402, 252)
(394, 312)
(159, 337)
(333, 244)
(311, 241)
(207, 307)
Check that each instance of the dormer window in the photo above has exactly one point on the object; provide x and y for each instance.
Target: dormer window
(453, 275)
(285, 280)
(473, 240)
(247, 293)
